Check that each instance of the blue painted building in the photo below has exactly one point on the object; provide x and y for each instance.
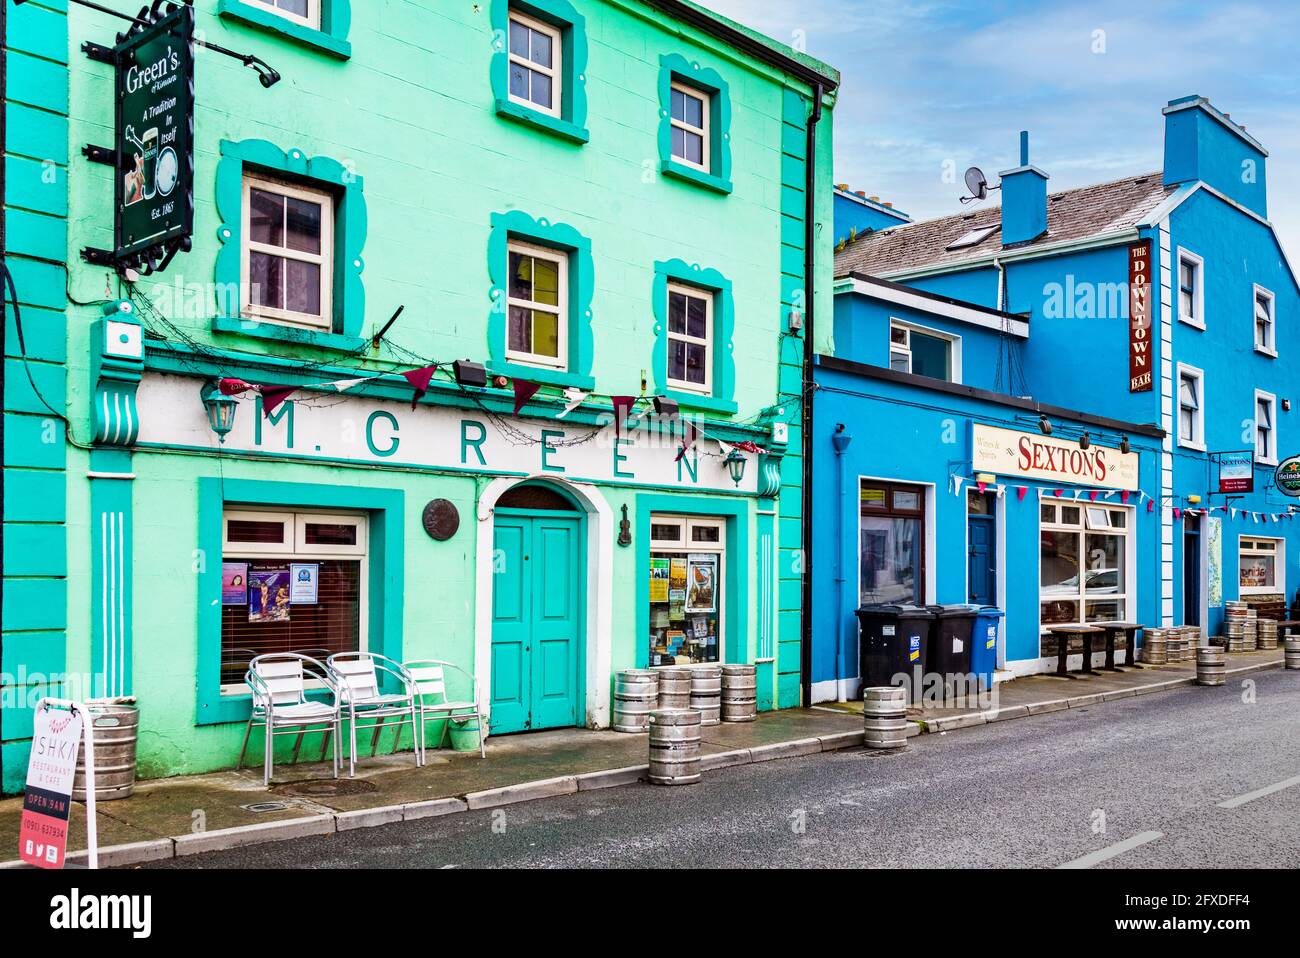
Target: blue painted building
(1071, 405)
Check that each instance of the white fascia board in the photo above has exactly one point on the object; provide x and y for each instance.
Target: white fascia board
(1114, 238)
(935, 307)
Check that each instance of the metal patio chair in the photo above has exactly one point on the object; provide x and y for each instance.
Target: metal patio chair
(279, 683)
(359, 677)
(431, 699)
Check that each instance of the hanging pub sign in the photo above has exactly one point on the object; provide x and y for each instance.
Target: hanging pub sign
(1139, 322)
(154, 148)
(1287, 477)
(1236, 471)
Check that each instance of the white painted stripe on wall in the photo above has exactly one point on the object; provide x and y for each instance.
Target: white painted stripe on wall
(1166, 422)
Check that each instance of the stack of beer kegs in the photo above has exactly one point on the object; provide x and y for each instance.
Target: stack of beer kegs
(1266, 634)
(1155, 646)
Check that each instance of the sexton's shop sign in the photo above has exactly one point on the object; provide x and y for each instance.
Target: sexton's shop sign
(1007, 452)
(334, 428)
(1139, 318)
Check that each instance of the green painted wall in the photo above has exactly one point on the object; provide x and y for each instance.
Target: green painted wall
(397, 102)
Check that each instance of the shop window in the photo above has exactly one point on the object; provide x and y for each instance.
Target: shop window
(538, 306)
(1191, 300)
(891, 560)
(1261, 567)
(1083, 563)
(1265, 427)
(923, 353)
(690, 327)
(290, 582)
(1191, 407)
(288, 252)
(1265, 327)
(687, 566)
(690, 126)
(535, 69)
(305, 12)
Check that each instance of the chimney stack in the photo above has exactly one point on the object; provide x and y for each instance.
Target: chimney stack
(1024, 200)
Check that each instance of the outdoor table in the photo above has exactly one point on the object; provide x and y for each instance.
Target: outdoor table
(1112, 630)
(1064, 633)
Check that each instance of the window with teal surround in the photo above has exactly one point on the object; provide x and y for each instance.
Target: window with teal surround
(721, 348)
(518, 225)
(350, 224)
(386, 572)
(571, 124)
(331, 38)
(674, 66)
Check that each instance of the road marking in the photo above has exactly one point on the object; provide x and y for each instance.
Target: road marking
(1251, 796)
(1105, 854)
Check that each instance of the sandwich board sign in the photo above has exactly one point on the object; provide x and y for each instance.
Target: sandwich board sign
(47, 801)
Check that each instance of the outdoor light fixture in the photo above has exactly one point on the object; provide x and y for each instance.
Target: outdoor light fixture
(1124, 446)
(220, 409)
(469, 373)
(666, 407)
(735, 464)
(1045, 425)
(1085, 440)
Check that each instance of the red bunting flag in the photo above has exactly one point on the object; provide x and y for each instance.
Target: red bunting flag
(1123, 496)
(750, 447)
(233, 387)
(274, 396)
(1020, 492)
(1178, 513)
(1151, 505)
(524, 391)
(622, 406)
(419, 380)
(1058, 492)
(1092, 494)
(981, 486)
(689, 435)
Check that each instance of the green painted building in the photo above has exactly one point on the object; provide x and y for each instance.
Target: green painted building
(588, 198)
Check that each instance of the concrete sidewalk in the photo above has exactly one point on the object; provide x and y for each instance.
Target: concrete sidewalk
(1035, 694)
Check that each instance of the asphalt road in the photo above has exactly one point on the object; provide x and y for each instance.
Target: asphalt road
(1134, 783)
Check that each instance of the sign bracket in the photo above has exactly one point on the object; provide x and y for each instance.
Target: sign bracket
(99, 154)
(97, 52)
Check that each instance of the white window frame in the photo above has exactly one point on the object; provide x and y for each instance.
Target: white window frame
(704, 132)
(1197, 440)
(685, 544)
(953, 340)
(324, 259)
(553, 255)
(1269, 348)
(1198, 294)
(1269, 457)
(696, 292)
(312, 19)
(294, 524)
(1279, 564)
(555, 71)
(1088, 524)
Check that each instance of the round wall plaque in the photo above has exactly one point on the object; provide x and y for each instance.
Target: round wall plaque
(441, 520)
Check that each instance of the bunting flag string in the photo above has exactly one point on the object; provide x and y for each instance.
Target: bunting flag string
(524, 391)
(419, 380)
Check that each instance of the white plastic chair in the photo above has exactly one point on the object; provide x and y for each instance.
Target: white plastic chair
(430, 680)
(366, 705)
(278, 682)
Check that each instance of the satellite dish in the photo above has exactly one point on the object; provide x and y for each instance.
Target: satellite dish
(978, 185)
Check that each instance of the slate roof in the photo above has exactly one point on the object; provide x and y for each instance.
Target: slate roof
(1071, 215)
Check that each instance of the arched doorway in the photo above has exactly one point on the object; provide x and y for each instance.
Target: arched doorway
(537, 650)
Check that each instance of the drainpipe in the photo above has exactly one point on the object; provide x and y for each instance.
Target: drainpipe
(840, 441)
(810, 288)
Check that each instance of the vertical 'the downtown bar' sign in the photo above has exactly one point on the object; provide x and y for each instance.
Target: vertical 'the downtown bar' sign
(1140, 356)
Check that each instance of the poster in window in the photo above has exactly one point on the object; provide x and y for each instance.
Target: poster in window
(659, 578)
(701, 583)
(268, 595)
(234, 583)
(677, 574)
(304, 583)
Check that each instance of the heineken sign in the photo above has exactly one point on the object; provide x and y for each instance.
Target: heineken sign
(154, 69)
(1287, 477)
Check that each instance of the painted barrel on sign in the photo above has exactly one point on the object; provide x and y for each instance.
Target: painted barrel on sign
(884, 717)
(115, 729)
(739, 693)
(1211, 666)
(1291, 653)
(674, 688)
(706, 693)
(636, 695)
(674, 747)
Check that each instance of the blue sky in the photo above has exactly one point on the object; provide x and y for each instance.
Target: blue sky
(930, 86)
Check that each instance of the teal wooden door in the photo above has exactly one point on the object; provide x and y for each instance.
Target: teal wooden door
(535, 623)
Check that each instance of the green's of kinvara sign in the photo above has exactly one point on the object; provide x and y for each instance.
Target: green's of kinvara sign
(1287, 477)
(155, 134)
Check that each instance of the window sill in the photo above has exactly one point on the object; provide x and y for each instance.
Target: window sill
(297, 335)
(696, 177)
(541, 121)
(1188, 321)
(1194, 446)
(690, 400)
(1263, 351)
(246, 13)
(544, 375)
